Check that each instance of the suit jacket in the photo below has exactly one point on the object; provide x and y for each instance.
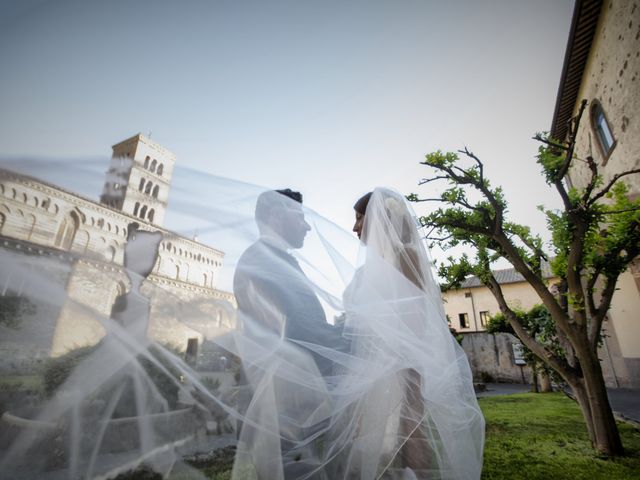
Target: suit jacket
(272, 290)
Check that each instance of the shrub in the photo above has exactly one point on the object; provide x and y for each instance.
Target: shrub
(58, 369)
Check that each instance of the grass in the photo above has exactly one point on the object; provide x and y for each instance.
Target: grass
(543, 436)
(31, 383)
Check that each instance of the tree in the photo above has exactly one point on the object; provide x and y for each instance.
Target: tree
(538, 323)
(595, 235)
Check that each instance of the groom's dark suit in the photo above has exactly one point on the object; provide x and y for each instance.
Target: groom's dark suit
(272, 290)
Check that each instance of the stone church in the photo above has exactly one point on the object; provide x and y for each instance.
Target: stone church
(83, 241)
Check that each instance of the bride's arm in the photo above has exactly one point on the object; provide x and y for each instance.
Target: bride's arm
(410, 266)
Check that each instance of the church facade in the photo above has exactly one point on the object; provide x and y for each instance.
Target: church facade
(85, 240)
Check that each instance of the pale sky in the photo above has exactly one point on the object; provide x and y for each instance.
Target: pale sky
(332, 98)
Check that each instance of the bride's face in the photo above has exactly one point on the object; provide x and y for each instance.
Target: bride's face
(357, 227)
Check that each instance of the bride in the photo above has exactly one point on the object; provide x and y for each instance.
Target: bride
(414, 413)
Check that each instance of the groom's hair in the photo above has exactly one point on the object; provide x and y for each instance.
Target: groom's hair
(273, 200)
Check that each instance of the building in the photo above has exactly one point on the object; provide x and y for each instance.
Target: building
(469, 307)
(602, 65)
(84, 241)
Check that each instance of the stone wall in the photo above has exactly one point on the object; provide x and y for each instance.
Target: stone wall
(492, 354)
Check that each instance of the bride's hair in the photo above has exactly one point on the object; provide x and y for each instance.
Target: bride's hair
(361, 205)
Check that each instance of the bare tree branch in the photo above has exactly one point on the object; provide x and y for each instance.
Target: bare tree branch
(615, 212)
(476, 159)
(608, 187)
(594, 179)
(433, 179)
(572, 141)
(551, 144)
(601, 312)
(558, 364)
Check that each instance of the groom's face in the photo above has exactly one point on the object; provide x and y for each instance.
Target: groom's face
(291, 225)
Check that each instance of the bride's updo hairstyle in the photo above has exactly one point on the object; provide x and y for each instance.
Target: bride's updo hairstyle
(361, 205)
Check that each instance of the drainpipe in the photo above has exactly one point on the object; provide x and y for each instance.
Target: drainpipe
(473, 309)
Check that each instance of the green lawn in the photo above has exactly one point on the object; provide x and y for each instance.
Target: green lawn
(531, 436)
(21, 382)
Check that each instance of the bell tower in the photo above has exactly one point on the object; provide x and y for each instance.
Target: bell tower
(139, 178)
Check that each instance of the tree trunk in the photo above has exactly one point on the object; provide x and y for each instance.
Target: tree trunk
(534, 378)
(607, 437)
(545, 381)
(580, 392)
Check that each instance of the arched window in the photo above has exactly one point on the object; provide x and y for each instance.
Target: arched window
(204, 279)
(160, 169)
(110, 254)
(147, 189)
(143, 211)
(603, 132)
(153, 165)
(146, 161)
(136, 208)
(151, 214)
(2, 220)
(141, 185)
(155, 191)
(67, 231)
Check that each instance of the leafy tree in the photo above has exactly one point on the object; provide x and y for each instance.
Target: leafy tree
(594, 237)
(539, 324)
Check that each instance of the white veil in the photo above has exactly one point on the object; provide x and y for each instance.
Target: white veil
(274, 331)
(414, 374)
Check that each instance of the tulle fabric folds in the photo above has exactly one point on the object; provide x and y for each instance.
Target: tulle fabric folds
(318, 356)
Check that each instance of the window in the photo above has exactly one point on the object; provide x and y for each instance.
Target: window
(136, 208)
(153, 166)
(67, 231)
(147, 189)
(146, 161)
(155, 191)
(160, 169)
(601, 127)
(464, 320)
(141, 186)
(151, 214)
(143, 212)
(484, 318)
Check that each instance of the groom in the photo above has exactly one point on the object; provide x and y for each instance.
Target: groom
(270, 287)
(274, 295)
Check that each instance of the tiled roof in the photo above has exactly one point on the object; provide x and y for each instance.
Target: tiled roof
(504, 276)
